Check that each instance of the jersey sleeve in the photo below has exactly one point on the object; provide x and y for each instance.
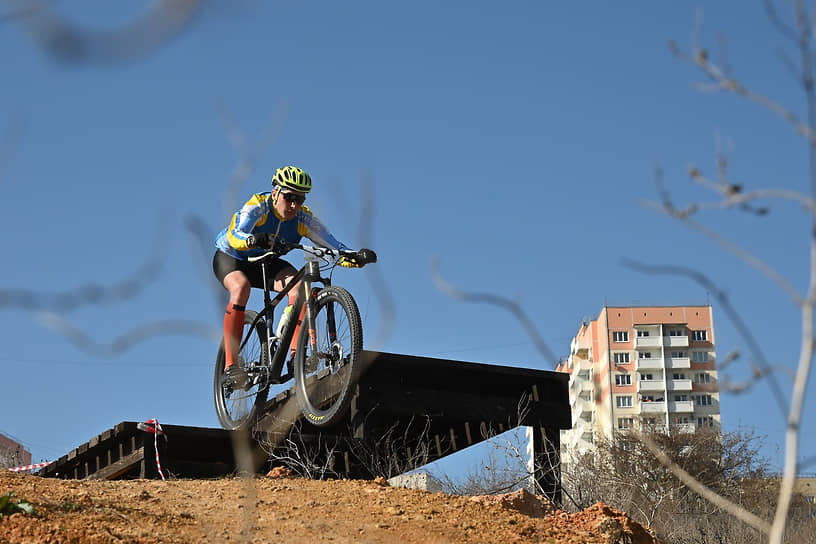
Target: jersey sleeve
(311, 227)
(253, 213)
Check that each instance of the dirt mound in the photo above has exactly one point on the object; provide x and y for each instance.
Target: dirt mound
(521, 501)
(280, 508)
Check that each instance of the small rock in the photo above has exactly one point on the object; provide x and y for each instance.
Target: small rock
(280, 473)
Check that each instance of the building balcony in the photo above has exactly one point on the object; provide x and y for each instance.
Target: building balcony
(651, 407)
(647, 341)
(580, 407)
(581, 384)
(649, 363)
(650, 385)
(679, 385)
(679, 362)
(681, 406)
(676, 341)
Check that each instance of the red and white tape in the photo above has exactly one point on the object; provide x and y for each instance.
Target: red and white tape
(152, 426)
(30, 467)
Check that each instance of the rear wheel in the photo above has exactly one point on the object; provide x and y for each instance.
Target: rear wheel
(237, 408)
(326, 375)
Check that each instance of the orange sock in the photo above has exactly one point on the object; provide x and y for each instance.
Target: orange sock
(233, 332)
(293, 344)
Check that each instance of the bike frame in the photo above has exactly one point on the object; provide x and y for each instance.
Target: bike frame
(309, 274)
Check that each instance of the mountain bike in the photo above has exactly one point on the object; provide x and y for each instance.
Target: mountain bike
(326, 365)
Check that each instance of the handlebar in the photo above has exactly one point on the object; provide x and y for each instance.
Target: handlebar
(282, 247)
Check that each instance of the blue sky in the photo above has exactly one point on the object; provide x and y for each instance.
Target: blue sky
(513, 141)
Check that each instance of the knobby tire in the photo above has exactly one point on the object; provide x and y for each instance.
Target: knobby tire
(238, 409)
(325, 380)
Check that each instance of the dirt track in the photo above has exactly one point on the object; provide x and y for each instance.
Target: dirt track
(291, 510)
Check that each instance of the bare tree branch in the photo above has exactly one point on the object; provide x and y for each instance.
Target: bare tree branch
(750, 259)
(733, 316)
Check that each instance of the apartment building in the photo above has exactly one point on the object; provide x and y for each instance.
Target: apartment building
(642, 365)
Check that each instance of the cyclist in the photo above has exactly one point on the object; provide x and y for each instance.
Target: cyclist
(266, 216)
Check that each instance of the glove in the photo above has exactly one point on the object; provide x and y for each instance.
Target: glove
(348, 262)
(366, 255)
(258, 240)
(359, 259)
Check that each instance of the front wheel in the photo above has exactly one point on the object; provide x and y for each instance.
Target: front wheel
(326, 373)
(238, 408)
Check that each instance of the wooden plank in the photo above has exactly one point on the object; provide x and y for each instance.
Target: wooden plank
(117, 468)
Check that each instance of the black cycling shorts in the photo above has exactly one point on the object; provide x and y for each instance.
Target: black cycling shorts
(223, 264)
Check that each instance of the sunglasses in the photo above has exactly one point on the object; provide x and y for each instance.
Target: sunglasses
(292, 197)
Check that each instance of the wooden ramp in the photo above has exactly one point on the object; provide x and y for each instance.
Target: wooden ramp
(405, 408)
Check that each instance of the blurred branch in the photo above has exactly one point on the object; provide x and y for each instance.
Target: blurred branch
(90, 293)
(168, 327)
(247, 154)
(204, 237)
(67, 42)
(489, 298)
(10, 146)
(17, 14)
(373, 274)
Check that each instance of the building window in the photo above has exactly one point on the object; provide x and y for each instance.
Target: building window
(699, 356)
(676, 332)
(703, 400)
(623, 401)
(699, 336)
(705, 421)
(681, 398)
(623, 379)
(678, 376)
(620, 336)
(626, 422)
(646, 376)
(702, 377)
(643, 333)
(646, 355)
(681, 420)
(621, 358)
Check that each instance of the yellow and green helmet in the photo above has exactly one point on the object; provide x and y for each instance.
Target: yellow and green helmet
(292, 177)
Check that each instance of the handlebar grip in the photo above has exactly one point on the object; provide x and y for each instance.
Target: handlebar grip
(365, 256)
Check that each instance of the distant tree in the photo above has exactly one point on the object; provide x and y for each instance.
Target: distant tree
(625, 474)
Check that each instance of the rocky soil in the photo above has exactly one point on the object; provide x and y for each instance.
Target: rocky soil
(281, 508)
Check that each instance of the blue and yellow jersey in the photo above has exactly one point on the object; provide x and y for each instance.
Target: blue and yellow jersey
(259, 215)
